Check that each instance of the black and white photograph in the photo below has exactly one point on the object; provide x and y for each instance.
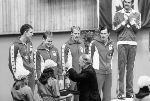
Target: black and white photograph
(75, 50)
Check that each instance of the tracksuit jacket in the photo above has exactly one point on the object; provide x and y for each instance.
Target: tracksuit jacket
(101, 55)
(71, 51)
(42, 54)
(126, 33)
(20, 61)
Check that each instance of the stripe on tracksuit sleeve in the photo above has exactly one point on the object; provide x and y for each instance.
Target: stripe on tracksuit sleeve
(34, 60)
(93, 51)
(69, 59)
(12, 60)
(96, 59)
(66, 56)
(63, 56)
(37, 64)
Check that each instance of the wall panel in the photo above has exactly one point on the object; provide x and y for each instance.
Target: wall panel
(54, 15)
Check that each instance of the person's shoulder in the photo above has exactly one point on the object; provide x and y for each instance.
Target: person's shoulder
(119, 12)
(94, 40)
(40, 46)
(15, 44)
(56, 49)
(135, 12)
(89, 69)
(65, 44)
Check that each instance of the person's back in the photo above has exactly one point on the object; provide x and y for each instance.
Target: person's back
(21, 92)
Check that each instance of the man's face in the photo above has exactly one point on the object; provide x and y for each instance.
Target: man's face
(75, 35)
(127, 4)
(104, 35)
(29, 34)
(48, 42)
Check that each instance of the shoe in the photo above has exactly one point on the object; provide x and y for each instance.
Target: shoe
(120, 96)
(130, 96)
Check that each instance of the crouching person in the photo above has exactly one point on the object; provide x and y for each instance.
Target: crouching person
(86, 80)
(144, 89)
(48, 87)
(21, 91)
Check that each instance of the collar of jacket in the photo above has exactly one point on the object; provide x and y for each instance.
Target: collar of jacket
(131, 11)
(102, 42)
(43, 47)
(70, 41)
(20, 42)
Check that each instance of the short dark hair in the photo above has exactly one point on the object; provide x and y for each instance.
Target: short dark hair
(47, 34)
(47, 73)
(75, 27)
(103, 28)
(24, 28)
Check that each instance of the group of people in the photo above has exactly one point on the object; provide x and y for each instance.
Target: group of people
(89, 73)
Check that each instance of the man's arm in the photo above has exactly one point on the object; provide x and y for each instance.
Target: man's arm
(120, 21)
(12, 59)
(64, 55)
(29, 94)
(73, 75)
(59, 64)
(37, 64)
(93, 51)
(135, 21)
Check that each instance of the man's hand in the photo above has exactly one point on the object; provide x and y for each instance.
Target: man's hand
(64, 72)
(68, 66)
(126, 18)
(133, 21)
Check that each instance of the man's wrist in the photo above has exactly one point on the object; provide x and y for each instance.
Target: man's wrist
(123, 23)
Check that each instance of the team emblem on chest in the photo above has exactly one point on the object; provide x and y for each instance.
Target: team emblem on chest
(26, 57)
(54, 53)
(110, 47)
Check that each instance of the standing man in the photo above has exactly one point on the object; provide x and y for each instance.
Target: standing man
(46, 50)
(71, 51)
(86, 80)
(20, 56)
(126, 23)
(101, 51)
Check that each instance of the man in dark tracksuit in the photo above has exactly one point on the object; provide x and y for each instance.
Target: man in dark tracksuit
(101, 50)
(126, 23)
(20, 56)
(71, 51)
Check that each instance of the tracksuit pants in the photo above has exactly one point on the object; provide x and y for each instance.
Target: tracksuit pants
(104, 85)
(126, 58)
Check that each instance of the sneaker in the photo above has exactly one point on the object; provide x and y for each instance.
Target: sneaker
(120, 96)
(130, 96)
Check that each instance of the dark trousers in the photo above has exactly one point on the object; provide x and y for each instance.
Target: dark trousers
(126, 58)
